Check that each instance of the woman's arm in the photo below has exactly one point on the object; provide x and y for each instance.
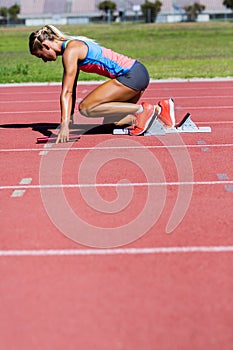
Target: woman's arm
(70, 58)
(67, 102)
(74, 97)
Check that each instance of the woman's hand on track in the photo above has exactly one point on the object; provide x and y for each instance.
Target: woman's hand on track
(63, 135)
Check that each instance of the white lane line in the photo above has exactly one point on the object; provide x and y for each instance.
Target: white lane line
(117, 251)
(106, 185)
(30, 112)
(200, 97)
(224, 122)
(49, 145)
(148, 98)
(181, 108)
(207, 107)
(37, 101)
(90, 82)
(154, 82)
(15, 85)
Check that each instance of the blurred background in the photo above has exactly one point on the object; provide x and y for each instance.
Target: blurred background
(61, 12)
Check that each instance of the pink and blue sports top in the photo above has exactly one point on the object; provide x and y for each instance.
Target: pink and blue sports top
(103, 61)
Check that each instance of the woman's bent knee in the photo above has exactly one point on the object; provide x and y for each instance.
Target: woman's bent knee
(84, 110)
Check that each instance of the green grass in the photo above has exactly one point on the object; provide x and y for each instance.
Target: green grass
(183, 50)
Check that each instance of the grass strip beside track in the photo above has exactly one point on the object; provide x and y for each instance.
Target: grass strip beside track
(183, 50)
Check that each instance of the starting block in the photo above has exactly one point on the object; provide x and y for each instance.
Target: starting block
(158, 129)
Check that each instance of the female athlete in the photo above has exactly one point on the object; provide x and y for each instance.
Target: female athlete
(116, 98)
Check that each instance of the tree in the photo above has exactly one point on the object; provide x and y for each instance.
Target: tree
(228, 4)
(192, 11)
(14, 11)
(107, 6)
(10, 13)
(3, 13)
(150, 10)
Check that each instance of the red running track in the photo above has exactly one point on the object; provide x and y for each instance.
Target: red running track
(170, 287)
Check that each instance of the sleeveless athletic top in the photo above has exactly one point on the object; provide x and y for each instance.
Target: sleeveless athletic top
(103, 61)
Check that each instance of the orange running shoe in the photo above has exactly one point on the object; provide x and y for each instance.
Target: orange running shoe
(144, 119)
(167, 114)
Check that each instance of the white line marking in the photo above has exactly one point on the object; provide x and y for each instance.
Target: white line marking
(17, 193)
(49, 145)
(200, 97)
(152, 81)
(46, 146)
(223, 176)
(37, 101)
(21, 189)
(85, 91)
(229, 188)
(56, 111)
(29, 84)
(193, 80)
(26, 181)
(43, 153)
(136, 184)
(91, 82)
(207, 107)
(117, 251)
(30, 112)
(216, 122)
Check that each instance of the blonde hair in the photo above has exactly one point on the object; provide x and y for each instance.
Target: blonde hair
(49, 32)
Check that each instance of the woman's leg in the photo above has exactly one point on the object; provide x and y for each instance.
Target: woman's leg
(110, 100)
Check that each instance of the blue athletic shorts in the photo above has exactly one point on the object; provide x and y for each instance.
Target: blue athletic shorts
(137, 78)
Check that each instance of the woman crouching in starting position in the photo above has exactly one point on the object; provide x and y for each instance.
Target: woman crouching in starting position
(116, 98)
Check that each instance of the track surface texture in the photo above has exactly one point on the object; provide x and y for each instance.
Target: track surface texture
(116, 242)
